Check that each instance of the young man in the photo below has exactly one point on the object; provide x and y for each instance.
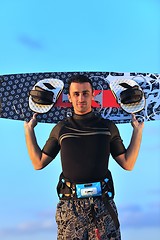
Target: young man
(86, 209)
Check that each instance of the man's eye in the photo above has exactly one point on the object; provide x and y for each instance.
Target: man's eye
(85, 93)
(76, 94)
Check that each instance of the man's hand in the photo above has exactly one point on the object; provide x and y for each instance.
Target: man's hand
(135, 123)
(32, 123)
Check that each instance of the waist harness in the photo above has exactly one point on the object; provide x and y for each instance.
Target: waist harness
(66, 189)
(104, 190)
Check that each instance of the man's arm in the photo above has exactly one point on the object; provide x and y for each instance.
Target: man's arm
(128, 159)
(38, 158)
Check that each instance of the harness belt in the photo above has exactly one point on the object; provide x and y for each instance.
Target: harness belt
(103, 189)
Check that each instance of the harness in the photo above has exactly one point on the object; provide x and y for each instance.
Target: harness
(103, 189)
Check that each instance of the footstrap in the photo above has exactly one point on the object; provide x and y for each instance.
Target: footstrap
(42, 96)
(132, 94)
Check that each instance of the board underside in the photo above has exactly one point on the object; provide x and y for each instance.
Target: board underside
(15, 88)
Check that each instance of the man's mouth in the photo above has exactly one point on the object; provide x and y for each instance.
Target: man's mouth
(81, 104)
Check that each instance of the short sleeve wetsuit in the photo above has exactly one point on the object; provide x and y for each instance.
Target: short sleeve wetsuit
(85, 143)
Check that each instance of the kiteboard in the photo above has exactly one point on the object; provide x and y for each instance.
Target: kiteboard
(112, 95)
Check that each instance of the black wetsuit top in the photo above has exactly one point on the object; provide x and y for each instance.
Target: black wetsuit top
(86, 142)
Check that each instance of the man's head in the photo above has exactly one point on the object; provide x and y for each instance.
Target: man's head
(79, 79)
(80, 94)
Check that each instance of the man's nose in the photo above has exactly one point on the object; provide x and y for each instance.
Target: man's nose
(81, 97)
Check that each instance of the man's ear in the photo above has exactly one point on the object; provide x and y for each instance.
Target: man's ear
(69, 98)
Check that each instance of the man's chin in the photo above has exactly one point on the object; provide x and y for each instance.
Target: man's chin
(82, 111)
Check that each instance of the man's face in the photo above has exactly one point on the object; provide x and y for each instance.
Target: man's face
(81, 96)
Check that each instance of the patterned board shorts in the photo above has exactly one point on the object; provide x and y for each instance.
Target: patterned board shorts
(75, 221)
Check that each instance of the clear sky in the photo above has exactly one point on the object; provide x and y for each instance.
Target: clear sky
(92, 35)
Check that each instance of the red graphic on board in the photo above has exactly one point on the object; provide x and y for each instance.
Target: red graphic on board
(102, 99)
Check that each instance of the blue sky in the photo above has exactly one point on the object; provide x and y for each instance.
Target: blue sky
(77, 36)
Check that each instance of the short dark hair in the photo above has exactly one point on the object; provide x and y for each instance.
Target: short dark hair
(79, 78)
